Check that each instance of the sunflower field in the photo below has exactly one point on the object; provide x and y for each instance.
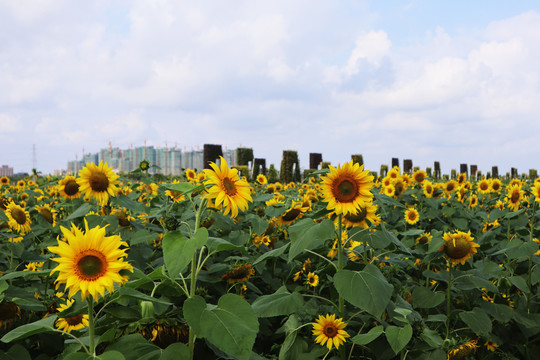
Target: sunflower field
(347, 264)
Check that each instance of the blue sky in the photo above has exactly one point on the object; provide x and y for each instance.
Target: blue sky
(455, 82)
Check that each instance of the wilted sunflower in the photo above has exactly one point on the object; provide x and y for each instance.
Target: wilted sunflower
(90, 262)
(9, 313)
(239, 274)
(459, 246)
(329, 330)
(359, 218)
(98, 182)
(75, 322)
(347, 188)
(490, 225)
(462, 351)
(4, 180)
(227, 190)
(514, 196)
(48, 213)
(412, 216)
(18, 218)
(69, 189)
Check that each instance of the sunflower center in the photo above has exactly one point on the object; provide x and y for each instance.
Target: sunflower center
(228, 184)
(457, 248)
(47, 215)
(515, 196)
(91, 265)
(495, 186)
(358, 217)
(330, 330)
(484, 186)
(423, 240)
(19, 216)
(74, 320)
(412, 215)
(99, 182)
(291, 214)
(9, 311)
(71, 188)
(345, 189)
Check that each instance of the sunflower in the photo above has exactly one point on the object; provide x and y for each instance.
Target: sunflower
(239, 274)
(459, 246)
(48, 213)
(461, 178)
(33, 266)
(496, 185)
(347, 188)
(352, 254)
(191, 175)
(261, 179)
(419, 176)
(536, 191)
(490, 345)
(4, 180)
(295, 212)
(176, 196)
(9, 313)
(312, 279)
(69, 188)
(394, 172)
(21, 184)
(389, 190)
(424, 238)
(76, 322)
(367, 212)
(450, 187)
(90, 262)
(483, 186)
(400, 186)
(412, 216)
(462, 351)
(18, 218)
(473, 201)
(144, 165)
(329, 330)
(122, 214)
(227, 189)
(427, 188)
(514, 196)
(98, 181)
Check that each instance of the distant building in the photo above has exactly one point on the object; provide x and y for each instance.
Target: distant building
(6, 171)
(170, 161)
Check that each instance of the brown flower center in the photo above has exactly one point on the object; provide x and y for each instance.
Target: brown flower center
(515, 197)
(71, 188)
(291, 215)
(47, 215)
(91, 265)
(495, 186)
(9, 311)
(358, 217)
(330, 330)
(19, 216)
(423, 239)
(99, 182)
(345, 189)
(74, 320)
(457, 248)
(484, 186)
(412, 215)
(229, 187)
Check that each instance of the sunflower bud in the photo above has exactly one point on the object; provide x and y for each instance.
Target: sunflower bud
(147, 309)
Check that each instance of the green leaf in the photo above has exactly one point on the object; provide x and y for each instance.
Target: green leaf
(477, 320)
(500, 312)
(258, 225)
(372, 334)
(135, 347)
(366, 289)
(413, 232)
(308, 235)
(279, 303)
(395, 240)
(124, 201)
(291, 327)
(178, 250)
(398, 337)
(520, 283)
(29, 304)
(175, 351)
(231, 325)
(436, 354)
(389, 201)
(432, 338)
(517, 248)
(183, 187)
(142, 237)
(217, 244)
(80, 212)
(36, 327)
(111, 355)
(424, 298)
(271, 254)
(134, 294)
(460, 223)
(16, 352)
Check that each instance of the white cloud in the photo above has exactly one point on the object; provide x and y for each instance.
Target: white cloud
(9, 124)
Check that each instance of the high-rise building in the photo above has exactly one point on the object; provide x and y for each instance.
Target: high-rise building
(6, 171)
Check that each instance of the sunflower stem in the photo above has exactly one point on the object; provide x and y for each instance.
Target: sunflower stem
(341, 301)
(91, 346)
(448, 294)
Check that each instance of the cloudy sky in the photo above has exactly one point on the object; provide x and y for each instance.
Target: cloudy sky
(452, 81)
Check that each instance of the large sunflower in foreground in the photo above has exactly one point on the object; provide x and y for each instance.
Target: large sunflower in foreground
(459, 246)
(329, 330)
(89, 261)
(228, 191)
(98, 182)
(347, 189)
(18, 218)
